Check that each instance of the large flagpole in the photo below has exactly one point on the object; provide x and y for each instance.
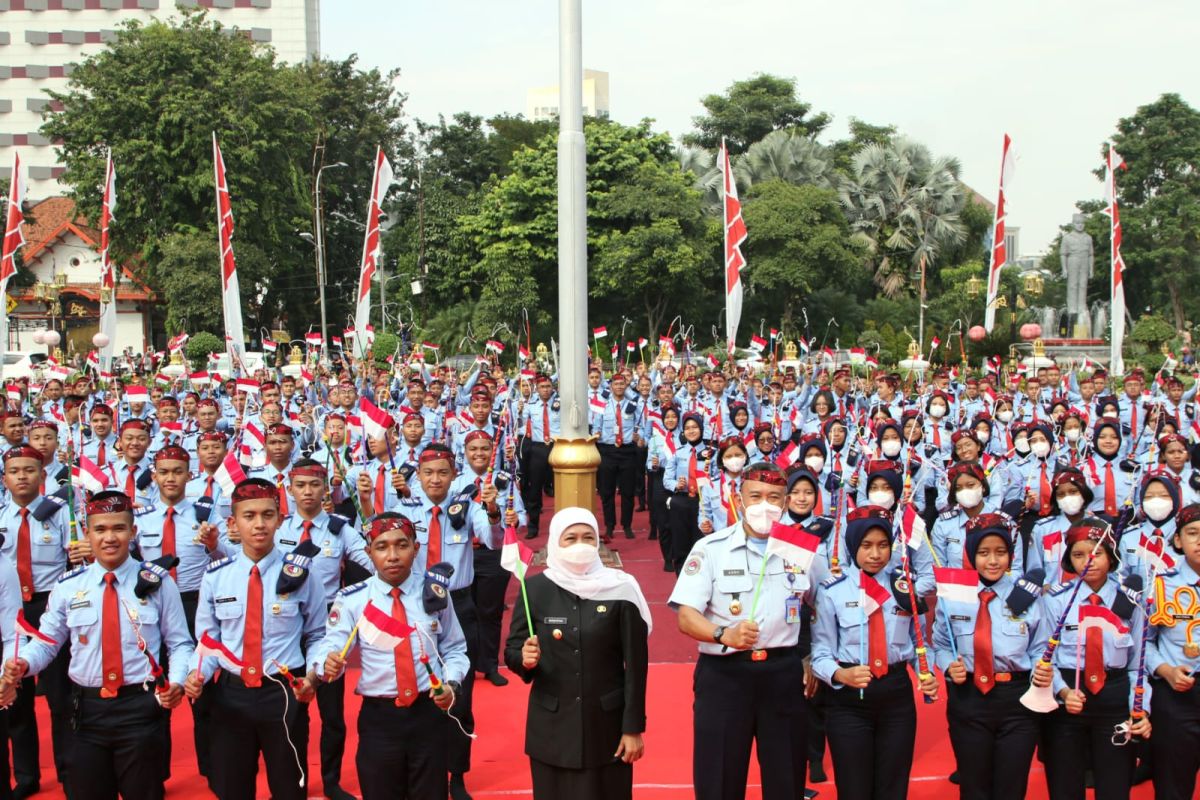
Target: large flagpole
(13, 240)
(1116, 361)
(108, 282)
(999, 248)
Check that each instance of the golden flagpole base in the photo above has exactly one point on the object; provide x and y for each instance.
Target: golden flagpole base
(575, 462)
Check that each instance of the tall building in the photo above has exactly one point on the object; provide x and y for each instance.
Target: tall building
(42, 40)
(541, 104)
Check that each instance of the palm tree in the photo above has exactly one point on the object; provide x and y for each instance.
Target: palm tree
(903, 205)
(785, 156)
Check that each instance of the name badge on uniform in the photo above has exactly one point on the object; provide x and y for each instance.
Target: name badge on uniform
(960, 617)
(791, 610)
(734, 572)
(288, 542)
(555, 620)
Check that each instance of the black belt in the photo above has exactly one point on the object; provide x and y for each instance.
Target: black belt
(1003, 677)
(540, 444)
(901, 666)
(390, 702)
(226, 676)
(765, 654)
(91, 693)
(1068, 675)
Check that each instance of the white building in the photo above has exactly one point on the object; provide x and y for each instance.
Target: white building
(61, 253)
(541, 104)
(41, 40)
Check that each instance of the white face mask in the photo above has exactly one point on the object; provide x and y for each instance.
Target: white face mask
(983, 436)
(882, 497)
(1158, 508)
(890, 448)
(761, 516)
(1071, 505)
(1021, 446)
(734, 464)
(578, 557)
(969, 498)
(1040, 449)
(1005, 416)
(815, 463)
(1072, 435)
(937, 411)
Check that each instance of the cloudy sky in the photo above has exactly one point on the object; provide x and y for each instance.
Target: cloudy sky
(954, 74)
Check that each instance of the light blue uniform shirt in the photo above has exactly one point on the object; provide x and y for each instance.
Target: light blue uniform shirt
(197, 486)
(1168, 640)
(1018, 640)
(347, 544)
(47, 543)
(75, 612)
(287, 619)
(630, 411)
(457, 549)
(1132, 562)
(839, 629)
(439, 632)
(193, 557)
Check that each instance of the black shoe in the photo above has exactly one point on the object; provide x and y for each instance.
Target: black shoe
(809, 794)
(653, 536)
(458, 787)
(816, 772)
(335, 792)
(953, 777)
(668, 566)
(27, 790)
(608, 536)
(496, 679)
(628, 533)
(530, 534)
(641, 507)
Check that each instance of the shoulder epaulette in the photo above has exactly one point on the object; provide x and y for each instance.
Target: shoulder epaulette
(66, 576)
(833, 580)
(337, 522)
(1059, 588)
(411, 502)
(951, 514)
(216, 565)
(141, 511)
(352, 588)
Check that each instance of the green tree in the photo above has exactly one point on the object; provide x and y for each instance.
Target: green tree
(200, 346)
(861, 135)
(785, 156)
(189, 265)
(800, 242)
(749, 110)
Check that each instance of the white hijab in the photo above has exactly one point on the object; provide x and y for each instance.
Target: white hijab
(598, 582)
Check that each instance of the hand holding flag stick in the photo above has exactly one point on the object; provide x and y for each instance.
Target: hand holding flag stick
(516, 557)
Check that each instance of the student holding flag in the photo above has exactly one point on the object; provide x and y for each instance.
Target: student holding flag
(414, 657)
(587, 659)
(740, 596)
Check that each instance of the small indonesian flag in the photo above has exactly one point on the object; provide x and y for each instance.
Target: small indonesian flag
(1101, 618)
(789, 456)
(178, 342)
(60, 371)
(247, 385)
(494, 346)
(875, 594)
(171, 428)
(269, 345)
(933, 343)
(872, 361)
(1052, 547)
(804, 344)
(137, 394)
(348, 333)
(599, 333)
(774, 334)
(712, 361)
(199, 378)
(528, 374)
(959, 585)
(757, 343)
(431, 346)
(24, 628)
(208, 647)
(630, 347)
(89, 477)
(230, 473)
(312, 339)
(382, 631)
(93, 360)
(827, 354)
(162, 379)
(523, 352)
(337, 341)
(667, 343)
(912, 527)
(642, 342)
(306, 375)
(1150, 549)
(374, 419)
(514, 555)
(794, 545)
(597, 404)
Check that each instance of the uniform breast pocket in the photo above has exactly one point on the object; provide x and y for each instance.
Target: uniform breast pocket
(851, 626)
(735, 581)
(282, 616)
(47, 553)
(230, 611)
(1018, 629)
(145, 614)
(901, 627)
(82, 620)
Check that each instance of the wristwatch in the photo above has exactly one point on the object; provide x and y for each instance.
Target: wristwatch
(455, 686)
(718, 633)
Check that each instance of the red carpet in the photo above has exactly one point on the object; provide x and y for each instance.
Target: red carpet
(500, 766)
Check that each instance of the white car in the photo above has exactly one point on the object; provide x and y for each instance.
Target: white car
(19, 364)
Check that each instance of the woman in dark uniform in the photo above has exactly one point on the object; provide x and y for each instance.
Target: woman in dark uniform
(587, 661)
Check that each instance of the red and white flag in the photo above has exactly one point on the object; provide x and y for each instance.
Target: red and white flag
(312, 339)
(912, 527)
(108, 277)
(162, 379)
(959, 585)
(667, 344)
(794, 545)
(382, 631)
(177, 342)
(26, 628)
(198, 378)
(89, 477)
(712, 361)
(375, 420)
(597, 404)
(642, 342)
(247, 385)
(804, 345)
(523, 352)
(372, 247)
(874, 594)
(231, 298)
(14, 239)
(1152, 551)
(514, 555)
(208, 647)
(600, 332)
(757, 343)
(431, 346)
(1116, 362)
(735, 234)
(269, 345)
(230, 473)
(1052, 547)
(1101, 618)
(999, 255)
(253, 448)
(137, 394)
(494, 346)
(933, 344)
(790, 455)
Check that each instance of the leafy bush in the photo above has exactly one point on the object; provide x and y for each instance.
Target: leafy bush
(200, 346)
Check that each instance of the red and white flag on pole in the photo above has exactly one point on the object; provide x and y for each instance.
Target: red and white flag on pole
(89, 477)
(25, 628)
(230, 473)
(372, 249)
(381, 630)
(735, 234)
(1116, 363)
(757, 343)
(1101, 618)
(873, 593)
(375, 420)
(231, 298)
(999, 251)
(13, 240)
(794, 545)
(514, 555)
(108, 278)
(208, 647)
(959, 585)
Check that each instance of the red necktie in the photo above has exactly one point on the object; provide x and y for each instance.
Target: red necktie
(691, 476)
(620, 424)
(546, 423)
(877, 649)
(985, 670)
(818, 509)
(208, 484)
(1133, 419)
(1093, 654)
(283, 496)
(25, 557)
(252, 632)
(937, 435)
(434, 556)
(100, 459)
(380, 490)
(1110, 491)
(406, 670)
(306, 532)
(1043, 493)
(130, 484)
(168, 540)
(110, 640)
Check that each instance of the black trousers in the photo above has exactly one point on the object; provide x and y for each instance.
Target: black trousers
(1176, 741)
(618, 472)
(118, 746)
(535, 474)
(401, 750)
(739, 703)
(613, 781)
(458, 747)
(331, 705)
(22, 720)
(639, 471)
(872, 739)
(201, 708)
(685, 527)
(246, 722)
(660, 517)
(993, 736)
(1075, 742)
(488, 590)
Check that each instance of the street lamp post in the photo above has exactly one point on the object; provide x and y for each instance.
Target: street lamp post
(574, 457)
(319, 227)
